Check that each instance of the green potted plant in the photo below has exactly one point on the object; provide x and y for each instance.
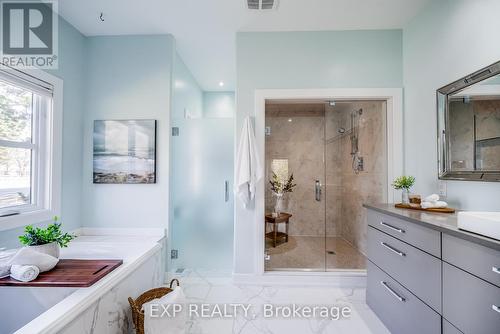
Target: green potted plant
(46, 240)
(404, 183)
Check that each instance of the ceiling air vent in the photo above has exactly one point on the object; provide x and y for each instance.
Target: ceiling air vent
(262, 4)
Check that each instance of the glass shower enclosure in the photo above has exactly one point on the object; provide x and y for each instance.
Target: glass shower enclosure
(337, 156)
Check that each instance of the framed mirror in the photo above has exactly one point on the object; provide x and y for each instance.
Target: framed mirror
(468, 112)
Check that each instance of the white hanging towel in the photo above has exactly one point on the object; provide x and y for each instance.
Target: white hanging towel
(248, 166)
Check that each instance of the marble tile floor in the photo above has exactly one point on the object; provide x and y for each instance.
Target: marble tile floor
(310, 253)
(219, 288)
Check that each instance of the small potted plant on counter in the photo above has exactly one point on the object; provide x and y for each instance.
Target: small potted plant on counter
(404, 183)
(46, 240)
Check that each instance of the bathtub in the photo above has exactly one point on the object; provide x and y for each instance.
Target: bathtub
(101, 308)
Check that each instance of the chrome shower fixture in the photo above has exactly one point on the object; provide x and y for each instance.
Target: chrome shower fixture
(357, 159)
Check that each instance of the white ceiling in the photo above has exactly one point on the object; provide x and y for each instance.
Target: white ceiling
(205, 30)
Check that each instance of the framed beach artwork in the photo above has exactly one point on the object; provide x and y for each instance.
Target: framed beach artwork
(125, 151)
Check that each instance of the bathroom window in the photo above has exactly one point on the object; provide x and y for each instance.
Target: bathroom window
(29, 153)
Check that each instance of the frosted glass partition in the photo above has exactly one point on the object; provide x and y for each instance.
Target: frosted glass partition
(201, 194)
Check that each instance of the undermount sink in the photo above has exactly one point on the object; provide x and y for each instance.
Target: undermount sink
(484, 223)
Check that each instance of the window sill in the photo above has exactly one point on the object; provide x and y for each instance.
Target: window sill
(26, 218)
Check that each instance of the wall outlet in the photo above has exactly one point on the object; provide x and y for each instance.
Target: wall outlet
(442, 188)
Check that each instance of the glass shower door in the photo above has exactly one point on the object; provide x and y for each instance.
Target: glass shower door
(201, 219)
(295, 138)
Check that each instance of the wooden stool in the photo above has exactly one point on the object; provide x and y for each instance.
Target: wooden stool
(274, 234)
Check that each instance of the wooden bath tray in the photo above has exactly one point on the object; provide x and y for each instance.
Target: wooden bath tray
(441, 210)
(69, 273)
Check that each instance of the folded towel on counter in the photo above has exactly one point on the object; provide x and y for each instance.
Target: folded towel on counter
(431, 198)
(29, 257)
(24, 273)
(434, 205)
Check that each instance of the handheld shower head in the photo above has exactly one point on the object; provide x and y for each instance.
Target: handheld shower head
(341, 130)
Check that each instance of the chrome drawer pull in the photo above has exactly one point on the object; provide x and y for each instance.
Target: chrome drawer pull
(392, 249)
(495, 270)
(397, 229)
(495, 308)
(385, 285)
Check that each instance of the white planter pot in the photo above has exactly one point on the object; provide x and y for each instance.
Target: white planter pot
(51, 249)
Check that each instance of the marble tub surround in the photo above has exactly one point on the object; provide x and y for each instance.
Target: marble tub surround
(216, 288)
(103, 307)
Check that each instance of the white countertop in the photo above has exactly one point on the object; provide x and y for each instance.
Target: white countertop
(133, 246)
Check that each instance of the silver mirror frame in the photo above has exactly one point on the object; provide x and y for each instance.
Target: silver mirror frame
(442, 102)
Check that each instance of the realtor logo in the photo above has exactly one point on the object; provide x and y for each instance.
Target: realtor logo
(29, 34)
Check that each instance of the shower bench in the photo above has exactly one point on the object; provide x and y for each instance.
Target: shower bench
(275, 234)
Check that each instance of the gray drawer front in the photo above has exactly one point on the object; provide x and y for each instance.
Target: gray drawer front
(421, 237)
(417, 271)
(449, 328)
(468, 300)
(478, 260)
(410, 316)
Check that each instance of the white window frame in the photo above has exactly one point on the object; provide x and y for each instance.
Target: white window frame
(47, 173)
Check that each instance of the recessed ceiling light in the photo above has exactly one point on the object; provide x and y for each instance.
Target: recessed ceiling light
(289, 119)
(221, 83)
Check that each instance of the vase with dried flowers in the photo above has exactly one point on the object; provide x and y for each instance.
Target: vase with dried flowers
(280, 188)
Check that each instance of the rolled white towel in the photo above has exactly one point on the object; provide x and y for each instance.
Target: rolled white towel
(440, 204)
(432, 198)
(427, 205)
(434, 205)
(24, 273)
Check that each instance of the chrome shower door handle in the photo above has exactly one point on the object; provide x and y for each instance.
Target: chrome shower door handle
(318, 190)
(226, 191)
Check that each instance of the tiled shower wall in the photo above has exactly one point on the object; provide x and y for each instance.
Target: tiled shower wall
(307, 136)
(346, 190)
(296, 135)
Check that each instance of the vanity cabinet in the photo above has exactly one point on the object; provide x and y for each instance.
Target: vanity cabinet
(422, 279)
(399, 309)
(470, 303)
(478, 260)
(404, 263)
(420, 237)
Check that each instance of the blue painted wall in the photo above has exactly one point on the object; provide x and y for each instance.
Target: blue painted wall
(128, 77)
(72, 71)
(327, 59)
(438, 49)
(187, 96)
(218, 104)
